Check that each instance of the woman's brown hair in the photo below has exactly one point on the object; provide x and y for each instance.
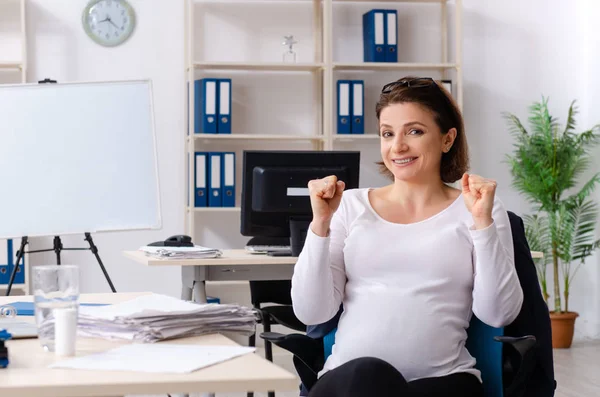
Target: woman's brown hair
(435, 98)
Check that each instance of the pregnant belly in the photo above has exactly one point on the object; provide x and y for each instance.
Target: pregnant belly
(419, 339)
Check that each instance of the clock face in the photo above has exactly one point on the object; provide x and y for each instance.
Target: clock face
(108, 22)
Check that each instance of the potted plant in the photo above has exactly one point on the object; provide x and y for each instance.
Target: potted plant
(546, 165)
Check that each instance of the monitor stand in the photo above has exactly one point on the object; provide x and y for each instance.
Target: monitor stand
(298, 229)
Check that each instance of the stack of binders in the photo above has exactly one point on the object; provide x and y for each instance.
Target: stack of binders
(350, 108)
(380, 29)
(214, 179)
(212, 106)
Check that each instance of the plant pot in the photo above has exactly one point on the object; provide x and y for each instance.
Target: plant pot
(563, 327)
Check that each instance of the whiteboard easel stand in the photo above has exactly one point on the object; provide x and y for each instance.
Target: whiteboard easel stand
(58, 247)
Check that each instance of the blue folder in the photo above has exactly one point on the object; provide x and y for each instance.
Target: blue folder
(224, 95)
(200, 179)
(391, 36)
(214, 179)
(206, 97)
(358, 107)
(20, 276)
(228, 179)
(344, 106)
(374, 32)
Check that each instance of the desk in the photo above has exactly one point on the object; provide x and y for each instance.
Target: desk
(28, 376)
(233, 265)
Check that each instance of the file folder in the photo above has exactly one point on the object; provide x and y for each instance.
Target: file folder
(358, 106)
(391, 42)
(224, 125)
(344, 123)
(205, 106)
(20, 276)
(4, 262)
(374, 36)
(200, 171)
(228, 179)
(214, 180)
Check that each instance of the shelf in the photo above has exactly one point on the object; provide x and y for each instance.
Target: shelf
(355, 137)
(216, 209)
(389, 1)
(11, 65)
(260, 66)
(255, 137)
(393, 66)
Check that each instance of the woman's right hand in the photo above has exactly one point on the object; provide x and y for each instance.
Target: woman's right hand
(325, 198)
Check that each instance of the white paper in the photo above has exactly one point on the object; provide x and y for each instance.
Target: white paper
(156, 358)
(155, 317)
(195, 252)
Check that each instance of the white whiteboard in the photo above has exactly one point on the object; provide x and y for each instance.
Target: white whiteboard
(77, 157)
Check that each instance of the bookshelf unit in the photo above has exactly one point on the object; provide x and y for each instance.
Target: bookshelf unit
(329, 48)
(13, 70)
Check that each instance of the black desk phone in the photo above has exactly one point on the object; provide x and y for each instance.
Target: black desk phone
(179, 240)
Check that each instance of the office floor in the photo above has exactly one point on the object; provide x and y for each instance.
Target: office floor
(577, 372)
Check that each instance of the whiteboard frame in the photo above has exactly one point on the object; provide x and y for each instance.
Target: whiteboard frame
(159, 223)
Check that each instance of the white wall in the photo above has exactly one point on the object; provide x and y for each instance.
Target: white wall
(58, 48)
(514, 52)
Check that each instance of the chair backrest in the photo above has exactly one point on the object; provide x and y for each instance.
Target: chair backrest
(488, 355)
(277, 291)
(481, 345)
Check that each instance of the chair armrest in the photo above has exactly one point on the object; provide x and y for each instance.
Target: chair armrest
(308, 353)
(307, 349)
(517, 367)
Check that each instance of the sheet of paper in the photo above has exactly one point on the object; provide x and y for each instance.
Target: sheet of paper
(151, 304)
(156, 358)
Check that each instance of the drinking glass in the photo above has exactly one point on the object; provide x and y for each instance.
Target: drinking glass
(55, 287)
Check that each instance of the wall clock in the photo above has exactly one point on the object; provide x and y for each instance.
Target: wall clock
(108, 22)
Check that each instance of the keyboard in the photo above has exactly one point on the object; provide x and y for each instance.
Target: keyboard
(262, 249)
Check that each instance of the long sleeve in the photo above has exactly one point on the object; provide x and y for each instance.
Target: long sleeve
(497, 293)
(319, 274)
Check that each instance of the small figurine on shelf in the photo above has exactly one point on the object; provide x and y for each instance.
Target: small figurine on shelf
(290, 54)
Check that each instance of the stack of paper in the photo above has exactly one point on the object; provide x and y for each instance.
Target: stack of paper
(155, 317)
(195, 252)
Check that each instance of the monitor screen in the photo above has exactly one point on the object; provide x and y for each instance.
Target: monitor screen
(275, 186)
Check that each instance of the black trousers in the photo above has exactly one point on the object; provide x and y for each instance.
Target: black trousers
(373, 377)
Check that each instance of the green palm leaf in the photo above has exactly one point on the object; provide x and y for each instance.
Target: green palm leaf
(546, 164)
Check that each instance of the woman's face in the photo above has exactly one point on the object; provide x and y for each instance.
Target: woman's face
(411, 142)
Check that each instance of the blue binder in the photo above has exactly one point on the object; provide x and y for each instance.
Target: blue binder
(200, 185)
(374, 36)
(228, 179)
(205, 106)
(391, 38)
(224, 125)
(4, 262)
(214, 180)
(20, 276)
(344, 107)
(358, 107)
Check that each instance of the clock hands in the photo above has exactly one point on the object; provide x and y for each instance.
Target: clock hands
(113, 24)
(107, 19)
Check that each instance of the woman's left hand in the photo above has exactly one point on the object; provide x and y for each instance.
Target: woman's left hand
(478, 193)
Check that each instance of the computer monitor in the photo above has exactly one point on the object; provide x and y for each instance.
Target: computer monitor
(275, 199)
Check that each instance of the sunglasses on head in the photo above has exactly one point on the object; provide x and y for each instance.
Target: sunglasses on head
(415, 82)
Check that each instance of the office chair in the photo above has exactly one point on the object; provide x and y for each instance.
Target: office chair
(278, 294)
(482, 342)
(511, 365)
